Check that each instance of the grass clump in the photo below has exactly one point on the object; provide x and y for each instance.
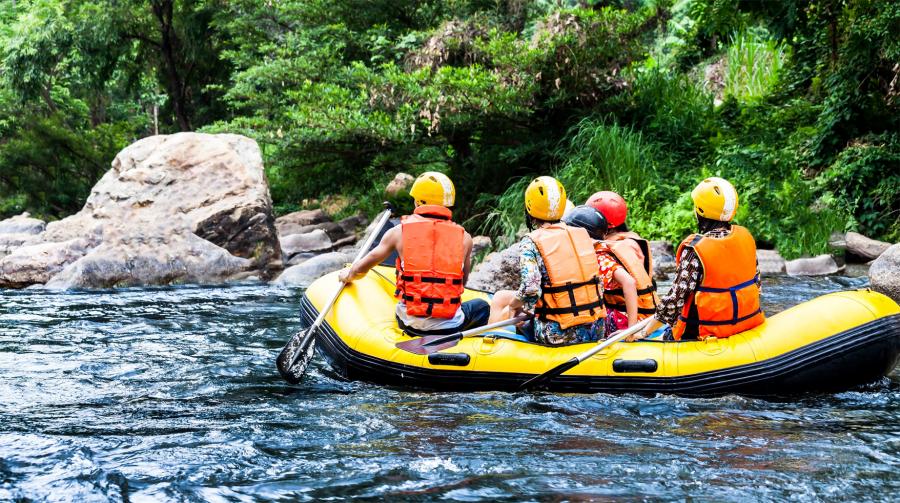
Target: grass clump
(754, 65)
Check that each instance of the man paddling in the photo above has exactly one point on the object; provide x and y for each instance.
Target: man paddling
(434, 259)
(716, 288)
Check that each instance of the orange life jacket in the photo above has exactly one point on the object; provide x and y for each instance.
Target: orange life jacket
(641, 271)
(430, 268)
(727, 300)
(571, 293)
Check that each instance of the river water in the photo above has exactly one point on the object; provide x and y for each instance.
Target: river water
(170, 394)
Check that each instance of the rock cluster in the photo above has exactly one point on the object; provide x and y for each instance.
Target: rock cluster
(186, 207)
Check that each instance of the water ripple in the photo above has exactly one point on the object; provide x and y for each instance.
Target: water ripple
(169, 394)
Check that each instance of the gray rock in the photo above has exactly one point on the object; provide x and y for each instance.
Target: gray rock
(9, 242)
(38, 263)
(211, 187)
(400, 183)
(663, 258)
(304, 274)
(498, 271)
(314, 241)
(770, 262)
(480, 243)
(865, 248)
(145, 259)
(815, 266)
(293, 222)
(884, 274)
(22, 224)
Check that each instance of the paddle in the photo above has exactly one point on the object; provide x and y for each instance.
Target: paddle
(559, 369)
(297, 353)
(433, 343)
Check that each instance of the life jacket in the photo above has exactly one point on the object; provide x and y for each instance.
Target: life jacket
(571, 293)
(727, 300)
(430, 267)
(641, 271)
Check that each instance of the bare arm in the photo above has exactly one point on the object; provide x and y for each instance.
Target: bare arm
(467, 250)
(384, 249)
(629, 288)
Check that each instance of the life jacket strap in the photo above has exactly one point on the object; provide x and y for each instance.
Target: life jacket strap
(720, 322)
(569, 287)
(431, 279)
(543, 310)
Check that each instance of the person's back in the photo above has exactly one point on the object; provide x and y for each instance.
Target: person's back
(434, 259)
(559, 280)
(726, 301)
(716, 290)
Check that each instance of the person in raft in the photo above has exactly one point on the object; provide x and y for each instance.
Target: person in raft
(716, 288)
(434, 258)
(615, 277)
(632, 252)
(559, 276)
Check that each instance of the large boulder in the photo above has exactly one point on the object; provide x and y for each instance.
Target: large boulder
(884, 274)
(304, 274)
(770, 262)
(498, 271)
(864, 248)
(160, 190)
(816, 266)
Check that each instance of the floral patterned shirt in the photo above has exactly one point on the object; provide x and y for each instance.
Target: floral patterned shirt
(533, 273)
(687, 277)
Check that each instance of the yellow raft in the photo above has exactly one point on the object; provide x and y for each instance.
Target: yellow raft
(834, 342)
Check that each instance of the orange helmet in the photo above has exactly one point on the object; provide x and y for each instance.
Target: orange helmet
(611, 205)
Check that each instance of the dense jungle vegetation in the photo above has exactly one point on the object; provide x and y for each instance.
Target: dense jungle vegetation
(794, 101)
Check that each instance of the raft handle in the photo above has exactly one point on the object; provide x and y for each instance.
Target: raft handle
(624, 366)
(455, 359)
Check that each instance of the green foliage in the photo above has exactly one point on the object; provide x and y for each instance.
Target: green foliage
(864, 181)
(342, 94)
(754, 65)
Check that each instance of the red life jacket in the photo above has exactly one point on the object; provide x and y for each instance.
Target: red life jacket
(727, 300)
(430, 269)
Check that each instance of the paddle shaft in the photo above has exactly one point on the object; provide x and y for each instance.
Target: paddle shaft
(477, 330)
(559, 369)
(362, 252)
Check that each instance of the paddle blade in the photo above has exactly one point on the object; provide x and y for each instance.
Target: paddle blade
(429, 344)
(542, 379)
(296, 355)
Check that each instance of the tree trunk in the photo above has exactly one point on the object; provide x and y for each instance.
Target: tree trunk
(168, 47)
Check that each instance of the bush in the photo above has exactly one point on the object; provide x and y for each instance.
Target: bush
(864, 181)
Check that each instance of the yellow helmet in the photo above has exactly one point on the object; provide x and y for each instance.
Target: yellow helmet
(715, 199)
(545, 198)
(432, 187)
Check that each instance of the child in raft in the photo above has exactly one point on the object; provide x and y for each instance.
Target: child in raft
(613, 274)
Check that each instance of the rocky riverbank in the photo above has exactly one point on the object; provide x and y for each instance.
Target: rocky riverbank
(196, 208)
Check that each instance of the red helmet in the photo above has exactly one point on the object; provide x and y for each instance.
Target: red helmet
(611, 205)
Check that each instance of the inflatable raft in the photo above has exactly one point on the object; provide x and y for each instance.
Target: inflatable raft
(831, 343)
